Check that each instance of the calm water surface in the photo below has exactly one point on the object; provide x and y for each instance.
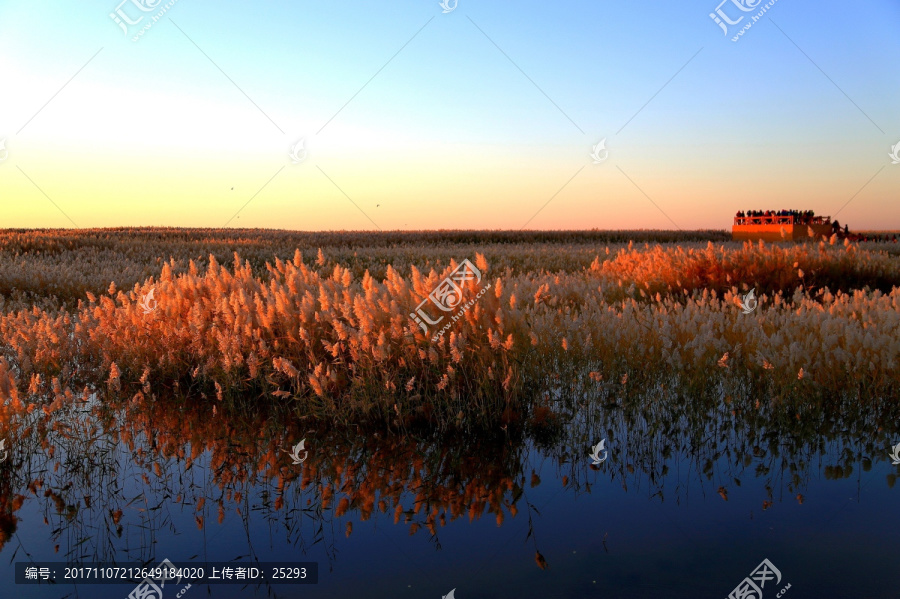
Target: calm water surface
(693, 495)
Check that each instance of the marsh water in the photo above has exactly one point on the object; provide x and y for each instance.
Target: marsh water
(693, 494)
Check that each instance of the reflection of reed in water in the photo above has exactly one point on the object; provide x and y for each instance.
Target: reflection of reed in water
(736, 429)
(112, 479)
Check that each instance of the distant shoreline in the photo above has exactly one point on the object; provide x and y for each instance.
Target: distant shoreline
(587, 232)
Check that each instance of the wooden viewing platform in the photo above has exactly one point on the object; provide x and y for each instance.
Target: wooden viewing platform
(774, 227)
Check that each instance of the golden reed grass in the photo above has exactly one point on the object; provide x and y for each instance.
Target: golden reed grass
(342, 346)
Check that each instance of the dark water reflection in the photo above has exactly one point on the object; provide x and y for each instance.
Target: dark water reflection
(695, 493)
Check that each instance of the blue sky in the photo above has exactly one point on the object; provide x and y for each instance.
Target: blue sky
(484, 115)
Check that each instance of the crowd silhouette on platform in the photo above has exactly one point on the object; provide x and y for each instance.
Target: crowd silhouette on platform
(805, 217)
(800, 216)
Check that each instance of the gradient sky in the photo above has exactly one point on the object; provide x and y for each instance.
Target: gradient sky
(485, 115)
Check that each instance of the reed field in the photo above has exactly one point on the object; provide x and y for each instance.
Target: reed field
(320, 323)
(155, 385)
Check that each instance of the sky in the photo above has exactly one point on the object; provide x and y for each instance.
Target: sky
(338, 115)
